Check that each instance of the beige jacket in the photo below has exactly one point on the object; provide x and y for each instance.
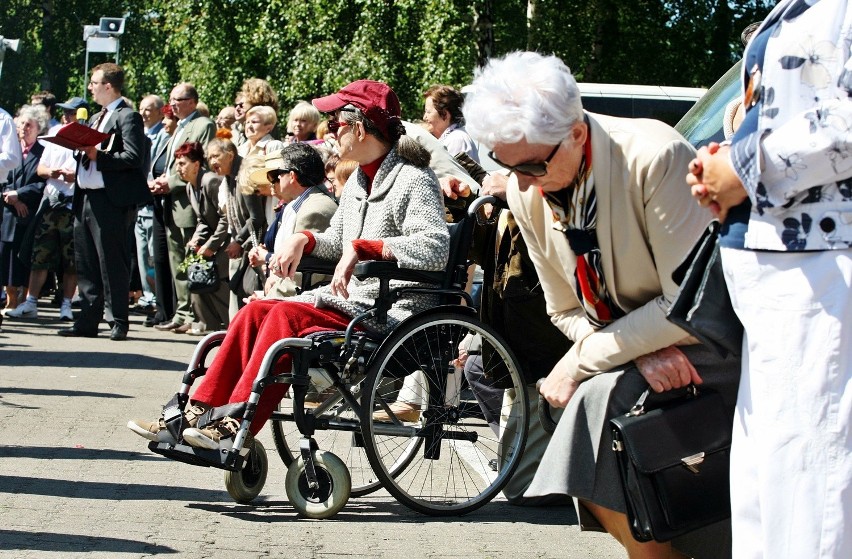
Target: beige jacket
(647, 222)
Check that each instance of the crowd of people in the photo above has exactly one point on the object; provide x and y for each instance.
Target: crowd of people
(601, 212)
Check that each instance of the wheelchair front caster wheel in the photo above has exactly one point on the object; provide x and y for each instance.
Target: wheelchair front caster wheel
(243, 486)
(335, 486)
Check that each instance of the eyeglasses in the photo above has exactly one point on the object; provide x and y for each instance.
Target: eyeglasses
(92, 82)
(529, 169)
(335, 125)
(179, 99)
(239, 105)
(274, 175)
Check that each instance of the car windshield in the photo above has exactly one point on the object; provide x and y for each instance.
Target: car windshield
(703, 123)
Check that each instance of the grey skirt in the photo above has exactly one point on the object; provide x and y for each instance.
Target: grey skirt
(579, 460)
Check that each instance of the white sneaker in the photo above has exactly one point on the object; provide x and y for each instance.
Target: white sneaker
(27, 309)
(65, 314)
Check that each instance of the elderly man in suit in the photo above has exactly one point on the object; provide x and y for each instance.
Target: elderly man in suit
(602, 205)
(151, 109)
(297, 174)
(110, 185)
(179, 216)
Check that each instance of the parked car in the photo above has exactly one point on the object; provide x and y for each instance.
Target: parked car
(703, 123)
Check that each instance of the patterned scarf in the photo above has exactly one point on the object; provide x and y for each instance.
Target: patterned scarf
(575, 213)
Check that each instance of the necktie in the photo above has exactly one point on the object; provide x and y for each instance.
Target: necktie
(96, 126)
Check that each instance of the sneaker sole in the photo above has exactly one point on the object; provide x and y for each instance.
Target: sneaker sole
(31, 314)
(159, 437)
(195, 438)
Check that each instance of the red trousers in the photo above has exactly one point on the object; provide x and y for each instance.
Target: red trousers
(254, 329)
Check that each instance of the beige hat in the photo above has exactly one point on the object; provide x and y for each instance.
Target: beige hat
(273, 161)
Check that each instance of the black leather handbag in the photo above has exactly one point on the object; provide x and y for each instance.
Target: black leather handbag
(202, 277)
(674, 464)
(703, 306)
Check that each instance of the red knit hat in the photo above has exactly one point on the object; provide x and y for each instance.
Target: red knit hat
(376, 100)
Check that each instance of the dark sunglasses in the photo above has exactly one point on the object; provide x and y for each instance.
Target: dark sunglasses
(529, 169)
(335, 125)
(273, 176)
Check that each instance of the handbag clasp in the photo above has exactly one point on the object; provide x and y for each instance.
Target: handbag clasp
(691, 462)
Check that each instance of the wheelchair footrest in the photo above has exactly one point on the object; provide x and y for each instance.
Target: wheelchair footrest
(222, 459)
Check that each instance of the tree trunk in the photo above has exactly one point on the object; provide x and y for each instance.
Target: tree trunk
(46, 51)
(483, 23)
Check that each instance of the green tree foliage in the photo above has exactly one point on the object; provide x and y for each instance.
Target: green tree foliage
(307, 48)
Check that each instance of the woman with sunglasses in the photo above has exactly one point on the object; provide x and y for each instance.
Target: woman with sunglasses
(391, 209)
(603, 208)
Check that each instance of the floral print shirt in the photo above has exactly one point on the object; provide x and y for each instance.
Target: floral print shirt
(797, 165)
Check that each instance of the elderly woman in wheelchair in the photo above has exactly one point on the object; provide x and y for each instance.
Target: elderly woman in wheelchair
(390, 210)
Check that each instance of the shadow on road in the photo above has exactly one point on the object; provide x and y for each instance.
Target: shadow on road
(72, 453)
(22, 485)
(46, 541)
(56, 392)
(368, 509)
(91, 360)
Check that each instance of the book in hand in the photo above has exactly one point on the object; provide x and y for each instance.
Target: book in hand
(76, 136)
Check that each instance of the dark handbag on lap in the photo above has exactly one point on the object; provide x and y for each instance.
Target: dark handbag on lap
(703, 306)
(674, 464)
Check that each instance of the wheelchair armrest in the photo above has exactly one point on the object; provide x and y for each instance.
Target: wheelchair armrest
(313, 265)
(384, 269)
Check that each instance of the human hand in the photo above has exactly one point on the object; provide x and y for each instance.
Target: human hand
(257, 255)
(343, 271)
(461, 359)
(285, 261)
(558, 388)
(714, 182)
(21, 209)
(67, 175)
(495, 185)
(91, 152)
(234, 250)
(666, 369)
(453, 188)
(205, 252)
(11, 197)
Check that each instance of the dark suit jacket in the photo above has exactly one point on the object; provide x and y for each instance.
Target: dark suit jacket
(200, 129)
(30, 188)
(123, 162)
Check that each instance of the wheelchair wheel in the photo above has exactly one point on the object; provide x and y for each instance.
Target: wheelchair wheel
(333, 491)
(244, 485)
(462, 462)
(347, 445)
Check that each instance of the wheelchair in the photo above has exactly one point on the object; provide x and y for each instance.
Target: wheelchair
(337, 431)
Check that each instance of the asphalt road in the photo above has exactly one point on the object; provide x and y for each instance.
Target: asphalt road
(75, 482)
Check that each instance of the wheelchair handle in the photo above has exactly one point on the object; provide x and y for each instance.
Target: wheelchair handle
(544, 415)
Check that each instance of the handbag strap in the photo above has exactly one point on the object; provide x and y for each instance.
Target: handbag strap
(639, 407)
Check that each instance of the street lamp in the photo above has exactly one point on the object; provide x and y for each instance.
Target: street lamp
(102, 38)
(11, 44)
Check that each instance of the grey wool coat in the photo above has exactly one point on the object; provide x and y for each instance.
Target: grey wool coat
(404, 209)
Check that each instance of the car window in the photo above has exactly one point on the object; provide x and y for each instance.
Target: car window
(703, 123)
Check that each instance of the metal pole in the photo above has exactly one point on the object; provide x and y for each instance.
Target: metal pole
(85, 74)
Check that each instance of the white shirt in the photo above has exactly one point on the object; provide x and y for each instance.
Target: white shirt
(456, 139)
(92, 178)
(10, 147)
(55, 156)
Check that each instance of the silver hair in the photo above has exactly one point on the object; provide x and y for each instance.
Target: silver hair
(37, 113)
(524, 95)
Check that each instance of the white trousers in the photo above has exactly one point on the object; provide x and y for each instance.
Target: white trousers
(791, 461)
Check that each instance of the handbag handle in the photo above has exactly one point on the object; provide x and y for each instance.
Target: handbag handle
(639, 407)
(544, 415)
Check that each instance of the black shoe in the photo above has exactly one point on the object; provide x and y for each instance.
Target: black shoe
(75, 332)
(118, 333)
(150, 321)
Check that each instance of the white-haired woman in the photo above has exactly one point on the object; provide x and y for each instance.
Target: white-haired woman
(21, 195)
(260, 121)
(602, 206)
